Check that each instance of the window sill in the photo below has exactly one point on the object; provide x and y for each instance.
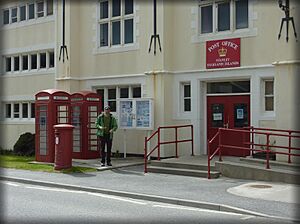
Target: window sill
(29, 73)
(116, 49)
(26, 23)
(224, 35)
(14, 121)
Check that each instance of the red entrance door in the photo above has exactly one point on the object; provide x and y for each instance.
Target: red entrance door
(230, 112)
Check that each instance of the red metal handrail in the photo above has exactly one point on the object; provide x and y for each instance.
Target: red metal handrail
(159, 143)
(255, 131)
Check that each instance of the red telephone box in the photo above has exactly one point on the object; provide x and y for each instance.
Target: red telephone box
(85, 107)
(52, 107)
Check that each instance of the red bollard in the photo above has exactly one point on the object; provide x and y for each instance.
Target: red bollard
(63, 146)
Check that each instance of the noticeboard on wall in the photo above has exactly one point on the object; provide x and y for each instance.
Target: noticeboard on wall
(136, 114)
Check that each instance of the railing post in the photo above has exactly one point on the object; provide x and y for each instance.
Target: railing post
(158, 144)
(145, 156)
(252, 140)
(192, 133)
(176, 139)
(208, 159)
(268, 151)
(290, 145)
(220, 148)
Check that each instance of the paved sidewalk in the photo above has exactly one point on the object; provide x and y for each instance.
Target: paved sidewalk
(124, 179)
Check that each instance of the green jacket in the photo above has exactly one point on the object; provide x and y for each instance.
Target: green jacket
(100, 123)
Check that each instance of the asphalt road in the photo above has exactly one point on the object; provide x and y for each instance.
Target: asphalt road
(22, 203)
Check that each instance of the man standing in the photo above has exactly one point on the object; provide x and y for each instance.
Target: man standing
(106, 125)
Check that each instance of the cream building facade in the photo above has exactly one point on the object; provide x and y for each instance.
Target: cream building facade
(108, 42)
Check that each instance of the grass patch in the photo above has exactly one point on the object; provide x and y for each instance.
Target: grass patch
(22, 162)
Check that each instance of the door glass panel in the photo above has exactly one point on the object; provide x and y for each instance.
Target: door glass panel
(217, 115)
(229, 87)
(240, 115)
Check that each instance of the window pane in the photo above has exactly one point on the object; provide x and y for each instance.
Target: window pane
(8, 64)
(25, 62)
(124, 92)
(206, 19)
(223, 16)
(8, 110)
(104, 34)
(43, 60)
(16, 63)
(187, 90)
(113, 105)
(128, 31)
(241, 12)
(128, 7)
(14, 13)
(269, 87)
(22, 13)
(33, 61)
(112, 94)
(103, 10)
(25, 110)
(187, 104)
(50, 7)
(269, 103)
(51, 59)
(136, 92)
(32, 110)
(6, 16)
(116, 33)
(16, 110)
(229, 87)
(31, 11)
(100, 92)
(40, 9)
(116, 7)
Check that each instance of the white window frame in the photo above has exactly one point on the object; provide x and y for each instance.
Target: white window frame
(2, 16)
(20, 117)
(16, 17)
(265, 113)
(183, 98)
(215, 35)
(122, 46)
(118, 93)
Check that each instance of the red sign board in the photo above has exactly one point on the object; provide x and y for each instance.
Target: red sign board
(223, 53)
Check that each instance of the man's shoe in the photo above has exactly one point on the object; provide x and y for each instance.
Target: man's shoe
(102, 164)
(109, 164)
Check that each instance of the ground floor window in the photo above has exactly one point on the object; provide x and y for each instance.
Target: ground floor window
(268, 95)
(21, 110)
(111, 94)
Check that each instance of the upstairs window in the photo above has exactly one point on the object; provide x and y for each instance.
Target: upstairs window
(6, 16)
(23, 13)
(49, 7)
(222, 15)
(8, 64)
(31, 11)
(16, 63)
(14, 15)
(40, 9)
(116, 22)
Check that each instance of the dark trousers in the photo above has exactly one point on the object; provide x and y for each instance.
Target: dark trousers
(105, 140)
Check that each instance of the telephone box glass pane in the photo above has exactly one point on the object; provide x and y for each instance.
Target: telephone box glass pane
(92, 137)
(217, 115)
(42, 110)
(76, 117)
(62, 112)
(240, 115)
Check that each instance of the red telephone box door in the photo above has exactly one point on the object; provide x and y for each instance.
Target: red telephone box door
(230, 112)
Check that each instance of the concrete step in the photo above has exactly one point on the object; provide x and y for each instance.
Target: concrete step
(182, 172)
(275, 164)
(257, 172)
(181, 165)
